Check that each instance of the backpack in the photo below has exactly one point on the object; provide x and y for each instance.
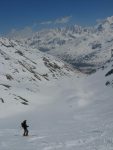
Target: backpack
(22, 125)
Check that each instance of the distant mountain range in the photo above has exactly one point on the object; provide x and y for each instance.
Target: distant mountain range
(25, 63)
(31, 67)
(85, 48)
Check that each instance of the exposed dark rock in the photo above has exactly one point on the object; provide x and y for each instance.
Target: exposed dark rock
(107, 83)
(22, 98)
(5, 85)
(2, 100)
(19, 52)
(109, 72)
(97, 45)
(9, 77)
(24, 103)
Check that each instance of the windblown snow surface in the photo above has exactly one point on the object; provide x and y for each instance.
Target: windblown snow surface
(72, 113)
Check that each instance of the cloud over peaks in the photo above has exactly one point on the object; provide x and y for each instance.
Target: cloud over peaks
(62, 20)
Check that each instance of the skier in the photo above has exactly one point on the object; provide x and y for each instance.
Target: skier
(25, 126)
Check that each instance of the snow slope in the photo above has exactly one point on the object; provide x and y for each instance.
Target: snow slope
(77, 114)
(22, 71)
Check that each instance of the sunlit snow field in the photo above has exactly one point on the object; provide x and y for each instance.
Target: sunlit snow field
(70, 114)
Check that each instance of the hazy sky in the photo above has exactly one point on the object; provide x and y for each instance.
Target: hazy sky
(17, 14)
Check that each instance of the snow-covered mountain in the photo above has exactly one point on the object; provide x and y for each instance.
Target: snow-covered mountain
(83, 47)
(77, 113)
(65, 109)
(23, 71)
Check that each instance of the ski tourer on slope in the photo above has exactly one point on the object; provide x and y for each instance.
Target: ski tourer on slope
(25, 126)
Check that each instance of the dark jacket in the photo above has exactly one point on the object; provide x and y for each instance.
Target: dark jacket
(24, 124)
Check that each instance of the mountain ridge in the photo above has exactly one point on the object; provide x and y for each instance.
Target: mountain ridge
(85, 48)
(25, 69)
